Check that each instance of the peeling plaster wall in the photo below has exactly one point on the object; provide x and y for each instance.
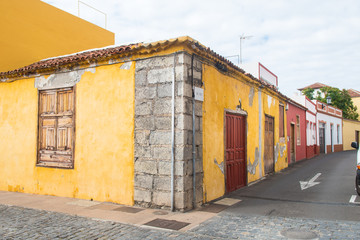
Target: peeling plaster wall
(271, 107)
(104, 139)
(223, 92)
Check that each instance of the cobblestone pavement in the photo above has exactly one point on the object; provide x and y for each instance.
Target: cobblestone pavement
(24, 223)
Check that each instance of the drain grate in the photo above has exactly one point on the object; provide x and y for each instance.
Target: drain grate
(128, 209)
(213, 208)
(293, 233)
(168, 224)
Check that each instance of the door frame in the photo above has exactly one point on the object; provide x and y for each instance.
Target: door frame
(292, 130)
(243, 114)
(273, 157)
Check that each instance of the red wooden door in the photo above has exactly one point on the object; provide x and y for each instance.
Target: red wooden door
(235, 152)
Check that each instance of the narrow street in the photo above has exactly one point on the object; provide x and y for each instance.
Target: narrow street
(278, 207)
(325, 193)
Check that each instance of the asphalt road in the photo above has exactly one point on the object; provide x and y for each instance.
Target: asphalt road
(331, 184)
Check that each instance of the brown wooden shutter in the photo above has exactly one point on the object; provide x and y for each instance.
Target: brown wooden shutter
(281, 121)
(56, 128)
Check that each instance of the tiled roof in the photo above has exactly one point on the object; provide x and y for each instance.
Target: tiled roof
(88, 55)
(314, 86)
(353, 93)
(94, 55)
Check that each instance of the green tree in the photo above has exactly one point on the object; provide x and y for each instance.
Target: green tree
(340, 99)
(309, 92)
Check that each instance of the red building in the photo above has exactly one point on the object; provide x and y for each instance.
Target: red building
(296, 125)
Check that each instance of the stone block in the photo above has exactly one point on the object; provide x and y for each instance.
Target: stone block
(198, 138)
(162, 107)
(144, 181)
(183, 58)
(183, 122)
(179, 200)
(143, 108)
(142, 195)
(145, 166)
(165, 167)
(183, 153)
(144, 123)
(162, 183)
(142, 137)
(163, 123)
(142, 151)
(140, 78)
(198, 108)
(189, 137)
(162, 75)
(156, 62)
(197, 123)
(197, 74)
(164, 90)
(162, 153)
(181, 137)
(162, 198)
(160, 138)
(145, 93)
(197, 64)
(183, 105)
(181, 168)
(184, 89)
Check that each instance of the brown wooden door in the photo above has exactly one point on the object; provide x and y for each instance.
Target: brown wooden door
(235, 152)
(292, 143)
(269, 145)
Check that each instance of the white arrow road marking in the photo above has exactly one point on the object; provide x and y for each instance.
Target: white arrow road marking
(310, 183)
(352, 200)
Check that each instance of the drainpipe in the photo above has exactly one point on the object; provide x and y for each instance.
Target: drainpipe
(193, 132)
(173, 137)
(260, 131)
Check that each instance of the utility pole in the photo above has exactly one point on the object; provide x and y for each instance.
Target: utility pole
(242, 37)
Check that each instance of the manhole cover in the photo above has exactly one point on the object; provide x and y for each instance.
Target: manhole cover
(298, 234)
(213, 208)
(168, 224)
(160, 213)
(128, 209)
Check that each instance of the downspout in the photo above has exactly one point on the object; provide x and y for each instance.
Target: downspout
(173, 137)
(193, 132)
(260, 131)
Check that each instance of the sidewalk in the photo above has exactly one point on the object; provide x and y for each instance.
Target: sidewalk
(115, 212)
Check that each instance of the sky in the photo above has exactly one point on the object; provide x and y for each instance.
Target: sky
(300, 41)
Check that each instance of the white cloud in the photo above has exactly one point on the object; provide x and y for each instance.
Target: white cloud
(300, 41)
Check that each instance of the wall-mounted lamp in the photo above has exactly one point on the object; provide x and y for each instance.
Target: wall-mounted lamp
(328, 100)
(239, 106)
(322, 106)
(287, 107)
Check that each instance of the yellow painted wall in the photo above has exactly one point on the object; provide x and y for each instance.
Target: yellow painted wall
(104, 145)
(356, 102)
(222, 92)
(349, 128)
(32, 30)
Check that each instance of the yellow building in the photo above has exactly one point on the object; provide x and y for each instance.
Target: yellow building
(32, 30)
(355, 97)
(121, 125)
(351, 130)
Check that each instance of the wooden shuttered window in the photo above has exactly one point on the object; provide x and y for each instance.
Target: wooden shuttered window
(281, 121)
(56, 128)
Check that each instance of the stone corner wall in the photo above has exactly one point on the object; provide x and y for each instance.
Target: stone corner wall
(153, 112)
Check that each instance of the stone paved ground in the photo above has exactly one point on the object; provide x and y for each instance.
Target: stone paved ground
(24, 223)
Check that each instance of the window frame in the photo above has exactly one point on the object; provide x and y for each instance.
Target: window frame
(281, 121)
(60, 153)
(298, 131)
